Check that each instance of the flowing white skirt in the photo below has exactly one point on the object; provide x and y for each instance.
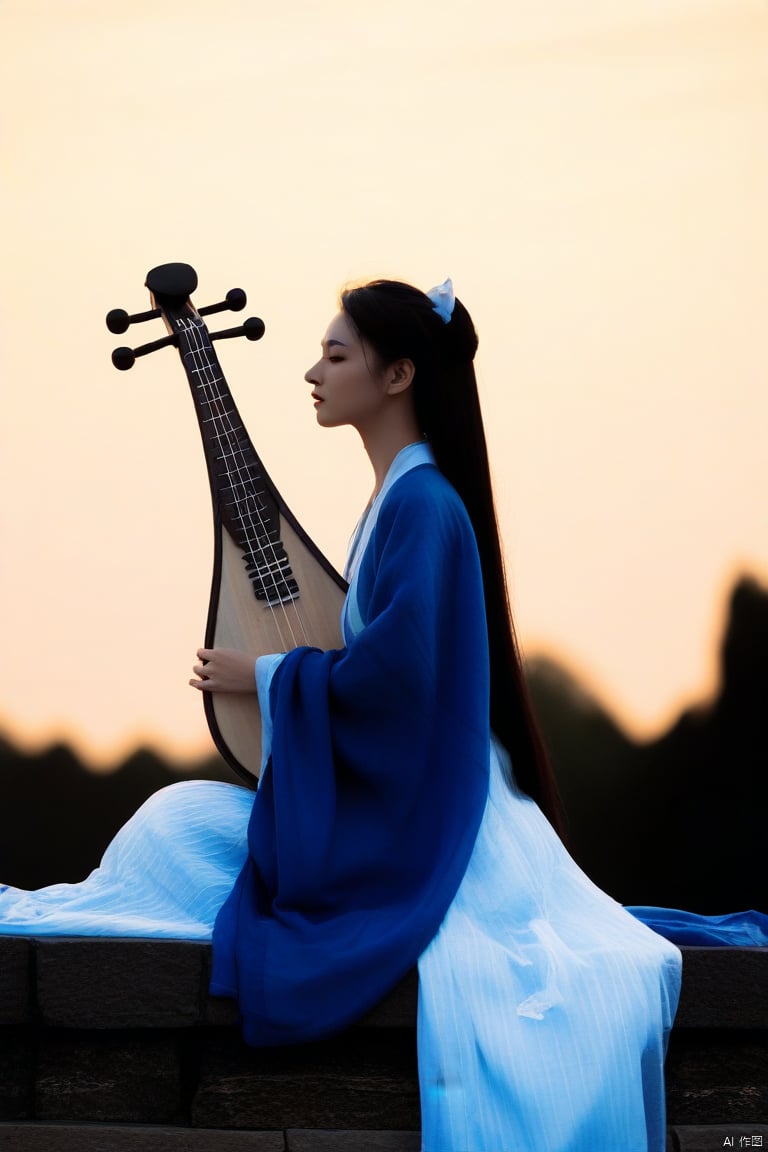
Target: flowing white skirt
(544, 1007)
(166, 873)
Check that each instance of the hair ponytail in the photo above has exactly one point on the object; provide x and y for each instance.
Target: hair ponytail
(399, 321)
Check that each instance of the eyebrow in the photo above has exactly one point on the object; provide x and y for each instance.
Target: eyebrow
(334, 343)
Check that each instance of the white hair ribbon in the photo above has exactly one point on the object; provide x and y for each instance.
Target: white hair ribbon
(443, 300)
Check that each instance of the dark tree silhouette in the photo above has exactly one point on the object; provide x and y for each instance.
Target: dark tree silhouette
(677, 821)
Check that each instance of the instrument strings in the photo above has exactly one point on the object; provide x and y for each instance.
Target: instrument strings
(246, 503)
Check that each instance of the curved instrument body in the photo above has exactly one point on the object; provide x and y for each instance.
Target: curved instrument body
(272, 589)
(234, 621)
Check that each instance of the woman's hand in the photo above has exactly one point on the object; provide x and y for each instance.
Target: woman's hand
(224, 670)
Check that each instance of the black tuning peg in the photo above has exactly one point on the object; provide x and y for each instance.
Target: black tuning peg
(119, 321)
(125, 358)
(252, 328)
(235, 301)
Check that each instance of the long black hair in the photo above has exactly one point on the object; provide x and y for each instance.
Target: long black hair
(399, 322)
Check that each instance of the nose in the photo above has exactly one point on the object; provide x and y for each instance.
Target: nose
(311, 374)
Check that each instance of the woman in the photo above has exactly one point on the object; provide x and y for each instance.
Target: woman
(406, 812)
(544, 1006)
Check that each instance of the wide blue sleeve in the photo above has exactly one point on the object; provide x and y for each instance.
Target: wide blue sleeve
(748, 929)
(369, 808)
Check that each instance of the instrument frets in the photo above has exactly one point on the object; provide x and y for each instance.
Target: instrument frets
(248, 510)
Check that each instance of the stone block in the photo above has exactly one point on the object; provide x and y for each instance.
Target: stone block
(360, 1080)
(109, 1077)
(724, 988)
(103, 983)
(15, 983)
(314, 1140)
(218, 1011)
(127, 1138)
(221, 1013)
(17, 1072)
(717, 1078)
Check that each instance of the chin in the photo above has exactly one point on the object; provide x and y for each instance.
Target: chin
(325, 419)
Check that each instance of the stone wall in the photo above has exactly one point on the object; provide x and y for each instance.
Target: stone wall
(116, 1045)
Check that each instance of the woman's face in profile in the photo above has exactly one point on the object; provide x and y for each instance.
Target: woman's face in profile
(348, 379)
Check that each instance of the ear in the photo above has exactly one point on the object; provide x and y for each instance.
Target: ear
(399, 376)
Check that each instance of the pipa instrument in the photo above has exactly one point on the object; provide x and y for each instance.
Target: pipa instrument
(272, 589)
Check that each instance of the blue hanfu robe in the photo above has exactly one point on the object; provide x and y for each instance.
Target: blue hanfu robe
(369, 805)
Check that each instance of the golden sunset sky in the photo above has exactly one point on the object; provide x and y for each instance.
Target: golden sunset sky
(593, 175)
